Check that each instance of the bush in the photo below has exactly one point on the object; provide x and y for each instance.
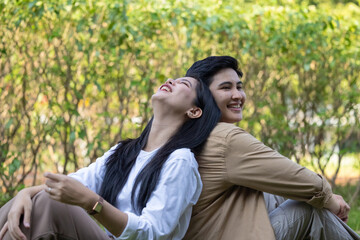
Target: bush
(77, 76)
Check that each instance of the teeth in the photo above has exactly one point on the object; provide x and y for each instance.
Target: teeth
(235, 105)
(165, 88)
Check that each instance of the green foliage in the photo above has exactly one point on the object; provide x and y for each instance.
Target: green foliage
(354, 219)
(77, 76)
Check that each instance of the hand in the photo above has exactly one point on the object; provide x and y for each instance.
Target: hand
(22, 205)
(3, 230)
(338, 206)
(68, 190)
(344, 210)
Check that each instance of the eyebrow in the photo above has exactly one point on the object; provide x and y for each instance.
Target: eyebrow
(229, 82)
(183, 79)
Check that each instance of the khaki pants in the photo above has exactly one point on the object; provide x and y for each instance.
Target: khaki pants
(298, 220)
(54, 220)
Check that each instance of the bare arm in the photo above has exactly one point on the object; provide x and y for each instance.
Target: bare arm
(70, 191)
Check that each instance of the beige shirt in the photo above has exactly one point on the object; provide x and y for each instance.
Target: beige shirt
(235, 169)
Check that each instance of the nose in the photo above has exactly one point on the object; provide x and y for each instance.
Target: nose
(237, 95)
(170, 81)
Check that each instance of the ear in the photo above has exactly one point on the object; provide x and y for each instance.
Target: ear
(194, 112)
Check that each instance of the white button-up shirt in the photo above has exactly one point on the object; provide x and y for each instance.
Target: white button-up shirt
(168, 211)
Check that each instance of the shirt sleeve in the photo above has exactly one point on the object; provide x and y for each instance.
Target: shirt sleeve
(168, 210)
(93, 175)
(251, 164)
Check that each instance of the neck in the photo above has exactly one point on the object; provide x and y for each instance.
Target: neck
(162, 130)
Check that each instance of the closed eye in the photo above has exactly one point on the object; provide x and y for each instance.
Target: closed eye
(187, 84)
(225, 87)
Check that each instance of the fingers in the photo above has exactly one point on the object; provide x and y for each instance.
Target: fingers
(344, 212)
(27, 214)
(15, 232)
(54, 177)
(21, 205)
(3, 230)
(49, 190)
(53, 183)
(344, 208)
(18, 235)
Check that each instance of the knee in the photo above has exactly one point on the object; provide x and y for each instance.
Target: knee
(297, 211)
(42, 203)
(300, 206)
(42, 200)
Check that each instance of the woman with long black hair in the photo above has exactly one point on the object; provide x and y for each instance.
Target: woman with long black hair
(142, 188)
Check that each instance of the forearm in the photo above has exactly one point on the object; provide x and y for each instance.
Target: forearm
(68, 190)
(254, 165)
(110, 217)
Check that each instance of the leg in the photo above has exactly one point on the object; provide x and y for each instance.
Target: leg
(298, 220)
(272, 201)
(54, 220)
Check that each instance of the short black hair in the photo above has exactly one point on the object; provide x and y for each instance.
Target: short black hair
(206, 69)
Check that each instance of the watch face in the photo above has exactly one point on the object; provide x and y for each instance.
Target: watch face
(97, 207)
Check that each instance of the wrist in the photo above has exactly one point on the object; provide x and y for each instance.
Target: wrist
(89, 202)
(332, 205)
(97, 207)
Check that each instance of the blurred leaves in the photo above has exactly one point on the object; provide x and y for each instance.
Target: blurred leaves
(76, 76)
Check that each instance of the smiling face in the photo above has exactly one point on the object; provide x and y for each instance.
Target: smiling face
(176, 95)
(226, 88)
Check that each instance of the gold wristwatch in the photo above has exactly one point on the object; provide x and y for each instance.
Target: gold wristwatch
(97, 207)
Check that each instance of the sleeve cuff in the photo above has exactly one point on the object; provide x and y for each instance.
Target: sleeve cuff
(131, 227)
(321, 198)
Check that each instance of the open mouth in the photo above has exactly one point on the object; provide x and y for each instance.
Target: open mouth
(236, 106)
(165, 87)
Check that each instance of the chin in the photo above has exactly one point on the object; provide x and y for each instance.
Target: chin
(235, 120)
(231, 118)
(228, 120)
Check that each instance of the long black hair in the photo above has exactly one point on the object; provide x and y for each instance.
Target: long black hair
(205, 69)
(192, 134)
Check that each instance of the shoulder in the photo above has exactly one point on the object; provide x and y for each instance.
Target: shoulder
(228, 137)
(226, 130)
(180, 165)
(182, 156)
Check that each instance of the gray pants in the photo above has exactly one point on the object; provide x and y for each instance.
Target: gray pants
(54, 220)
(292, 220)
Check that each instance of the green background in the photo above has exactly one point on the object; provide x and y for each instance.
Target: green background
(77, 76)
